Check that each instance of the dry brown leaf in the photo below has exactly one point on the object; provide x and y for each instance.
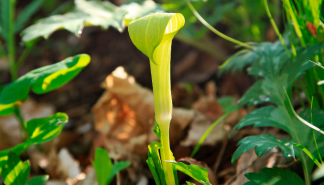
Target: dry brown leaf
(250, 162)
(67, 166)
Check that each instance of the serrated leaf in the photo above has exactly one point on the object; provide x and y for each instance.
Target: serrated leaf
(87, 13)
(42, 80)
(15, 171)
(268, 116)
(39, 180)
(45, 129)
(245, 58)
(278, 71)
(274, 176)
(262, 144)
(194, 171)
(102, 165)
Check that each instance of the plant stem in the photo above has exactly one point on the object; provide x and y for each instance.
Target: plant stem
(275, 27)
(202, 20)
(21, 122)
(166, 154)
(11, 40)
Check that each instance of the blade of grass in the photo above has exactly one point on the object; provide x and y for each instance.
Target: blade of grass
(202, 20)
(301, 119)
(204, 136)
(318, 153)
(309, 154)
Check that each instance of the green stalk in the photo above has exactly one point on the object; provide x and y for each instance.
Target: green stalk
(11, 40)
(166, 154)
(202, 20)
(275, 27)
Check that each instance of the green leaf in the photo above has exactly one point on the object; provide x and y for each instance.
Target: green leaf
(42, 80)
(45, 129)
(87, 13)
(102, 165)
(274, 176)
(119, 166)
(268, 116)
(156, 129)
(262, 144)
(154, 162)
(278, 71)
(194, 171)
(15, 172)
(27, 13)
(228, 104)
(190, 183)
(39, 180)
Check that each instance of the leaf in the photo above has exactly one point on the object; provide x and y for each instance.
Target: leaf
(87, 13)
(102, 165)
(27, 13)
(15, 172)
(42, 80)
(274, 176)
(153, 35)
(136, 10)
(156, 129)
(194, 171)
(45, 129)
(119, 166)
(39, 180)
(278, 71)
(154, 162)
(190, 183)
(244, 58)
(262, 144)
(268, 116)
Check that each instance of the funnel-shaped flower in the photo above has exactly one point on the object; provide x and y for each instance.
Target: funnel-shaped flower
(153, 36)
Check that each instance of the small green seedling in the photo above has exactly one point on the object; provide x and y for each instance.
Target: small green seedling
(105, 170)
(153, 36)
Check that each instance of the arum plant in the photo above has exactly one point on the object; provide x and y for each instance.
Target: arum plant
(153, 36)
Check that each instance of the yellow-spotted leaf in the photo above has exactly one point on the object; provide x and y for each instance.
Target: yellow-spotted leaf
(41, 80)
(153, 36)
(44, 129)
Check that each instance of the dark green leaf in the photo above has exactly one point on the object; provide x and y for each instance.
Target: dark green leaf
(45, 129)
(263, 117)
(102, 165)
(194, 171)
(39, 180)
(262, 144)
(42, 80)
(152, 168)
(15, 171)
(274, 176)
